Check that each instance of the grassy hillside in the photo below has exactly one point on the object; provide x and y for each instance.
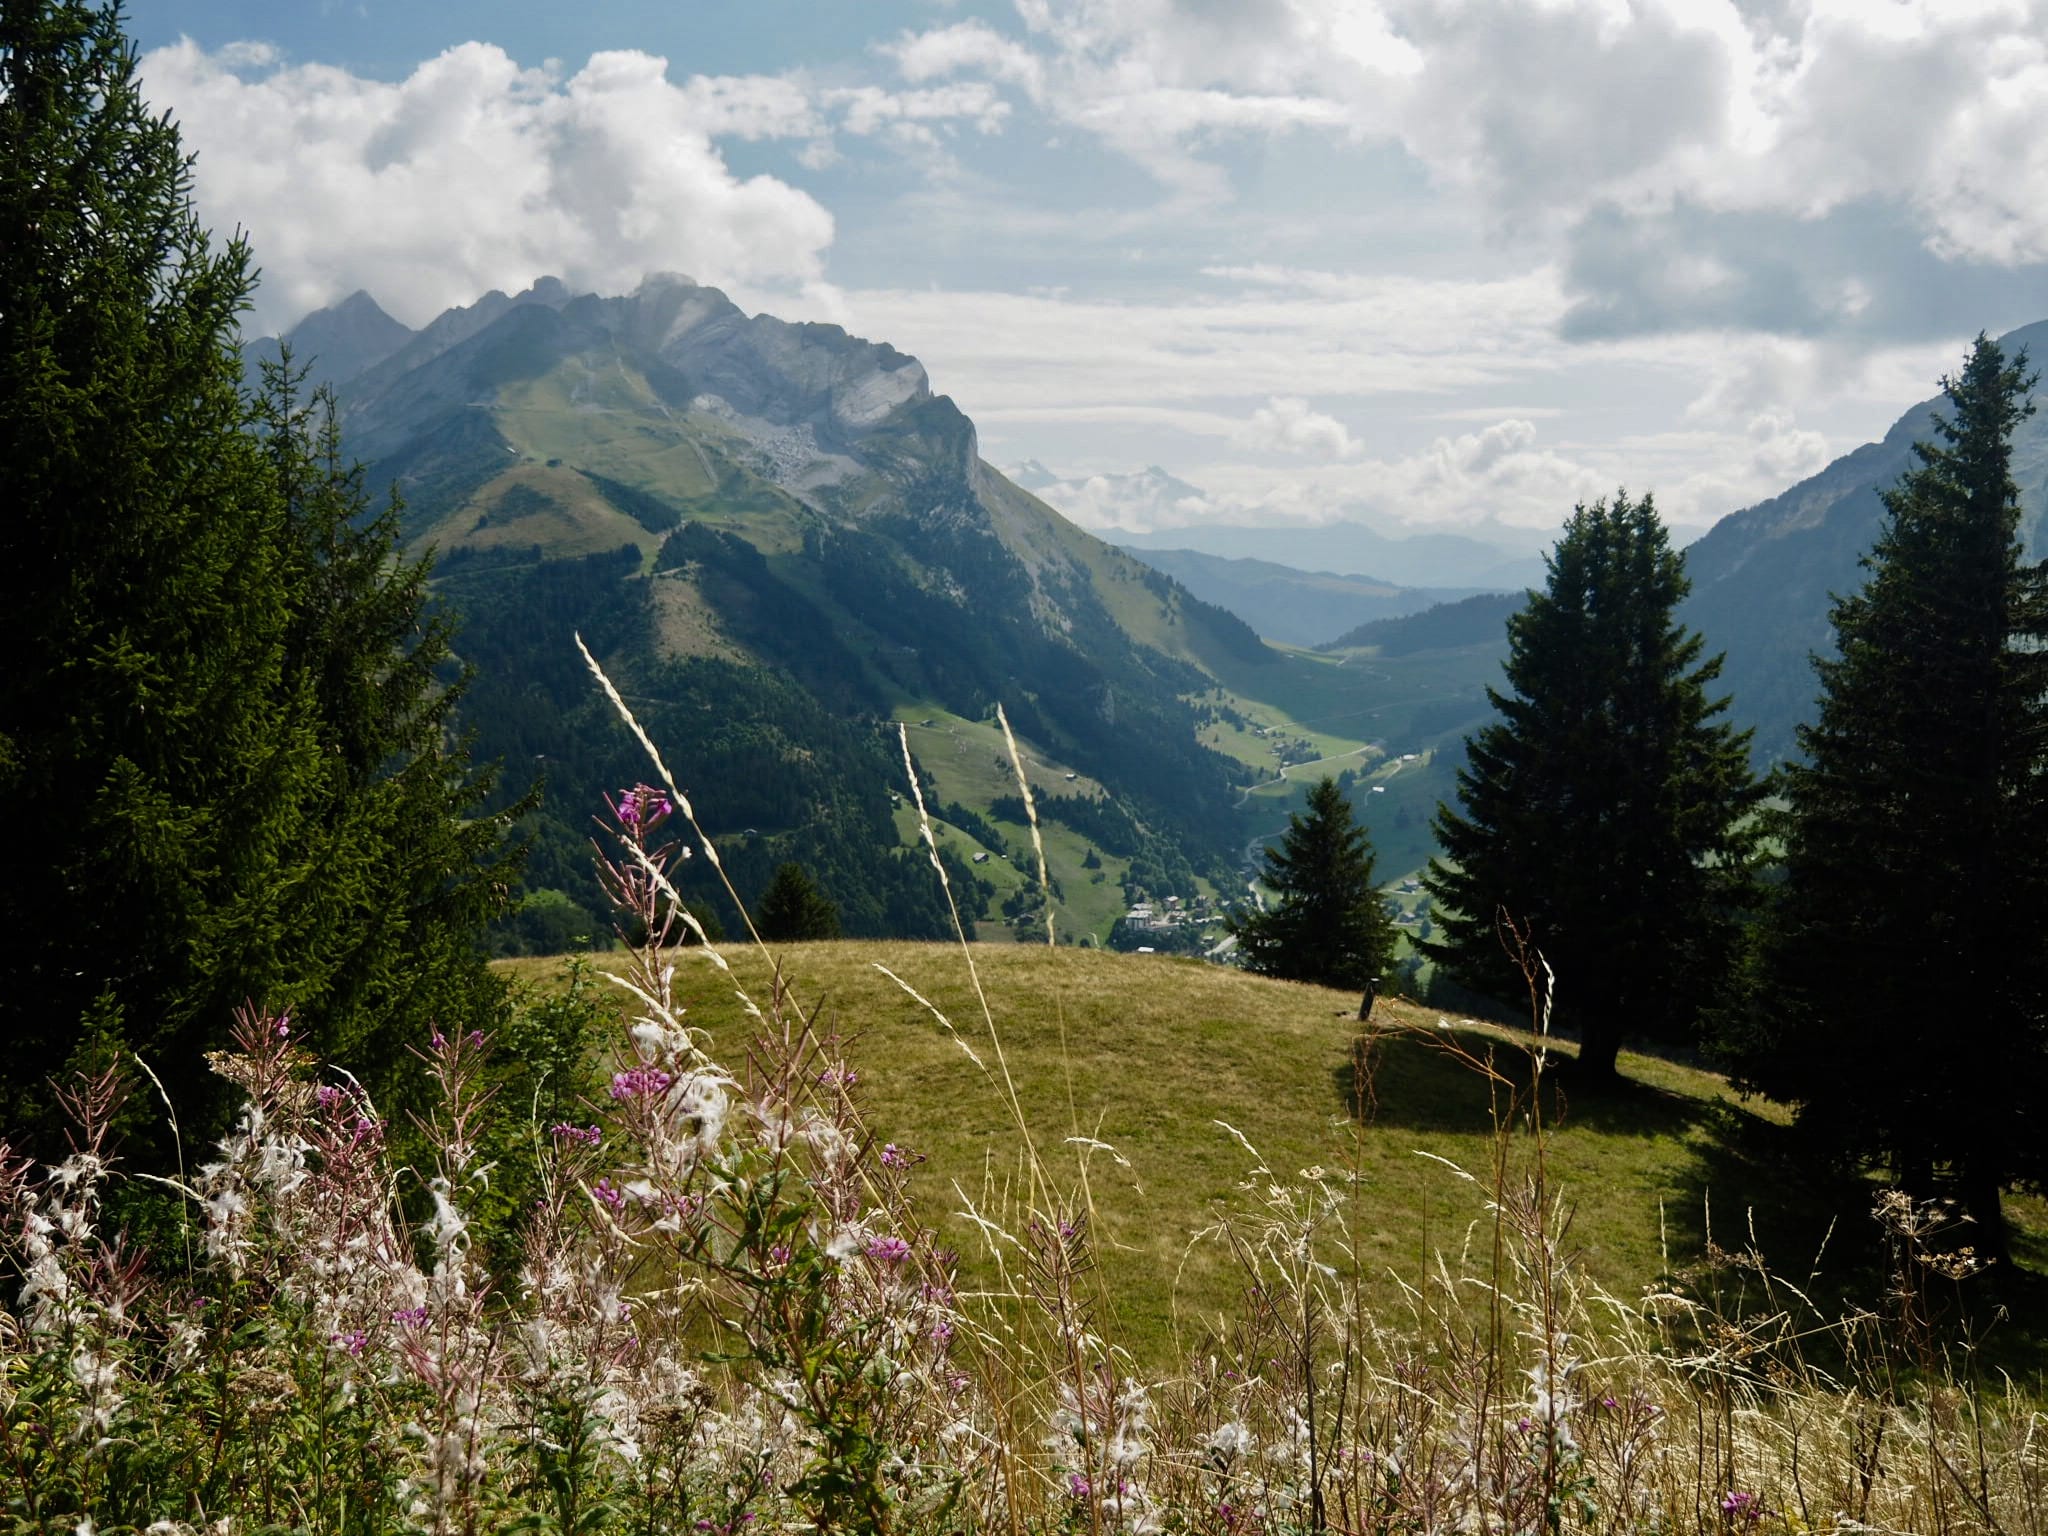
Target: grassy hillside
(1147, 1054)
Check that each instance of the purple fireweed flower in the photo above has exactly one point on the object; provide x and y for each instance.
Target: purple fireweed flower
(585, 1136)
(641, 1082)
(888, 1250)
(843, 1077)
(411, 1317)
(1741, 1506)
(352, 1341)
(778, 1256)
(614, 1198)
(1079, 1486)
(641, 808)
(894, 1156)
(284, 1026)
(942, 1333)
(476, 1038)
(328, 1096)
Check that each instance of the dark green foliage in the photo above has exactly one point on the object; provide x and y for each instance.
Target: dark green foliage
(772, 773)
(404, 868)
(793, 909)
(767, 615)
(223, 768)
(1905, 961)
(975, 825)
(544, 1070)
(1114, 709)
(650, 512)
(1331, 925)
(1603, 813)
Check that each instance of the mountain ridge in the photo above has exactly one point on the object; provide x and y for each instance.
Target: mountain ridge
(705, 488)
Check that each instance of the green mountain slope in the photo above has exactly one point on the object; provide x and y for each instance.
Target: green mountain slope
(717, 497)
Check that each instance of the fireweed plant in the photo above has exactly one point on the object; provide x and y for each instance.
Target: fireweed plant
(725, 1315)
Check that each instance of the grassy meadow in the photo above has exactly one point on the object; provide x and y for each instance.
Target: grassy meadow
(1126, 1068)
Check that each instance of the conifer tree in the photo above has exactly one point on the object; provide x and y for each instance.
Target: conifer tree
(1330, 924)
(1904, 1002)
(793, 909)
(1602, 815)
(222, 759)
(407, 866)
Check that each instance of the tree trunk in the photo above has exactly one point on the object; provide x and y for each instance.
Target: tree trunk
(1983, 1197)
(1599, 1045)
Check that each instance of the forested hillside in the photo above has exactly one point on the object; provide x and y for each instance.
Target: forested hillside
(780, 536)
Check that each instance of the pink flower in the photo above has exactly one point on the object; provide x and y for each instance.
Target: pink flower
(614, 1198)
(642, 808)
(641, 1082)
(352, 1341)
(894, 1156)
(888, 1250)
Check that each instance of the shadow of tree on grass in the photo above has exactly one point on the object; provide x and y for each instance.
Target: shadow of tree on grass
(1745, 1190)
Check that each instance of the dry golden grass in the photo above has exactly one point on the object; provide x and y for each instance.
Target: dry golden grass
(1127, 1067)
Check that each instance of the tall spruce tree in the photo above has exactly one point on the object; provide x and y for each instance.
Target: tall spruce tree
(1905, 1000)
(1603, 814)
(222, 767)
(1330, 924)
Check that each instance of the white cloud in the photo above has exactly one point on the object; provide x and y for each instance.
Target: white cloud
(1544, 109)
(472, 173)
(967, 45)
(868, 109)
(1135, 503)
(1002, 353)
(1287, 424)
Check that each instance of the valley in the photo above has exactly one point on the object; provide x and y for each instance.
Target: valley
(694, 485)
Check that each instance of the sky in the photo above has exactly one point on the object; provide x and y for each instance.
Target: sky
(1444, 265)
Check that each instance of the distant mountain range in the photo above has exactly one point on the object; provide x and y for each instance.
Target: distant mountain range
(781, 539)
(1431, 560)
(1282, 603)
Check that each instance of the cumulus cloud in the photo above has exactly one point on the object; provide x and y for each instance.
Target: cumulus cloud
(473, 173)
(1286, 424)
(1775, 132)
(1137, 502)
(968, 45)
